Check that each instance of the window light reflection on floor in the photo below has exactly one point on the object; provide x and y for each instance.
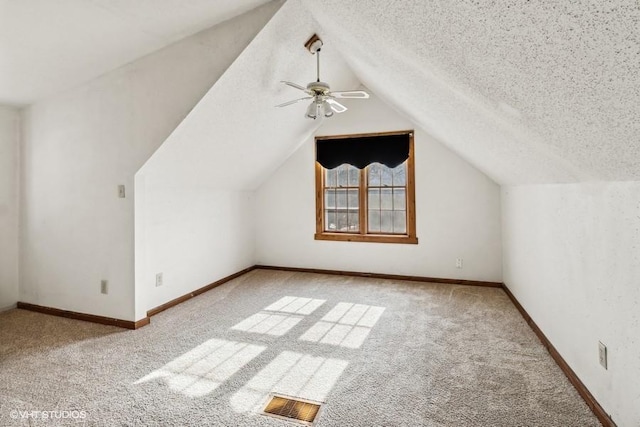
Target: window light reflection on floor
(346, 325)
(290, 374)
(297, 305)
(280, 317)
(204, 368)
(267, 323)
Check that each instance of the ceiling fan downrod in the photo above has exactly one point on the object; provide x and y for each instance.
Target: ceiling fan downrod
(318, 64)
(323, 100)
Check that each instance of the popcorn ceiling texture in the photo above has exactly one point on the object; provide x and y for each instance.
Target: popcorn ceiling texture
(237, 119)
(529, 92)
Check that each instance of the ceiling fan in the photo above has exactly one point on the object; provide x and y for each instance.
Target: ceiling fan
(323, 98)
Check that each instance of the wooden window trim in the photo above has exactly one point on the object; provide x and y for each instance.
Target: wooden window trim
(409, 238)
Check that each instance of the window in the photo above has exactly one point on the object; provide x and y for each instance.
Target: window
(373, 203)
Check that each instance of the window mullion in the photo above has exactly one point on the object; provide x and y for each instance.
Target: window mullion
(363, 201)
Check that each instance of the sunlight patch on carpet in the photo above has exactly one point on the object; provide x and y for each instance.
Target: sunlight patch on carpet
(267, 323)
(290, 374)
(346, 325)
(204, 368)
(297, 305)
(280, 317)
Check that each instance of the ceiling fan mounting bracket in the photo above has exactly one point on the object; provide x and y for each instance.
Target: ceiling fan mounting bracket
(314, 44)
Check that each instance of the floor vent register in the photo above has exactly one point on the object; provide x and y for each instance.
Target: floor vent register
(292, 409)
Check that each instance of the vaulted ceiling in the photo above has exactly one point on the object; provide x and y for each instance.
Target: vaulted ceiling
(528, 92)
(48, 46)
(235, 137)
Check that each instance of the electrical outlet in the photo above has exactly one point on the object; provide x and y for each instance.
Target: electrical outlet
(602, 354)
(121, 191)
(104, 287)
(458, 262)
(158, 279)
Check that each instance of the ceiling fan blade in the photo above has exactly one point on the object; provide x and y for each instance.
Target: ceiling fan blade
(294, 101)
(336, 106)
(296, 86)
(353, 94)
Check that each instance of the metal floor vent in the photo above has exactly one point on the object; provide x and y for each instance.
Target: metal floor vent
(303, 411)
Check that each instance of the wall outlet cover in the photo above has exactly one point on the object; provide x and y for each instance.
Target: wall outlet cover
(602, 354)
(158, 279)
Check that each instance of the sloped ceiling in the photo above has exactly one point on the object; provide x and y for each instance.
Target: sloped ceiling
(234, 138)
(47, 46)
(527, 91)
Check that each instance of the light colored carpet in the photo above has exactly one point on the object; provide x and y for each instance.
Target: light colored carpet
(378, 352)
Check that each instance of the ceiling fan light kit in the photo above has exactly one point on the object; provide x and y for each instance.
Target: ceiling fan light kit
(323, 102)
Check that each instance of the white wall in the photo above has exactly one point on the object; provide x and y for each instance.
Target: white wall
(9, 143)
(457, 208)
(572, 259)
(80, 145)
(190, 231)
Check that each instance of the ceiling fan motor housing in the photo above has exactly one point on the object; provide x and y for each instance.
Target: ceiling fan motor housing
(319, 88)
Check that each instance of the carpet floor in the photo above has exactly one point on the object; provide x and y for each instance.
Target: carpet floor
(375, 352)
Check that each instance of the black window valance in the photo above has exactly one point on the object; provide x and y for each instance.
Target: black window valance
(390, 150)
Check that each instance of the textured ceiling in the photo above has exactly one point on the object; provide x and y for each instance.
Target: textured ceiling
(527, 91)
(234, 138)
(47, 46)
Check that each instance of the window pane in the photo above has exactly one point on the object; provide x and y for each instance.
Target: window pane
(329, 220)
(342, 224)
(400, 175)
(354, 222)
(399, 199)
(373, 172)
(329, 199)
(343, 174)
(400, 222)
(374, 221)
(353, 198)
(386, 198)
(354, 176)
(374, 198)
(341, 198)
(386, 176)
(330, 177)
(386, 221)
